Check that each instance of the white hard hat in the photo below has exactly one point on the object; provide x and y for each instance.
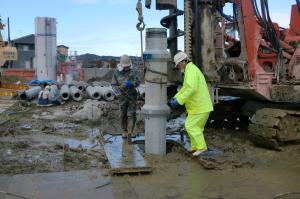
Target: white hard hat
(125, 61)
(180, 57)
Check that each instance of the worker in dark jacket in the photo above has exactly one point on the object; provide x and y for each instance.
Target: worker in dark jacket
(194, 94)
(124, 82)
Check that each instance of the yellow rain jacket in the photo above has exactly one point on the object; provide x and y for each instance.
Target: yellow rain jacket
(194, 92)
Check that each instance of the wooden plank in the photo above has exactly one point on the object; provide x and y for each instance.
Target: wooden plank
(14, 86)
(8, 92)
(124, 158)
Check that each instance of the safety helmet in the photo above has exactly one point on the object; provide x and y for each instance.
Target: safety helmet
(180, 57)
(125, 61)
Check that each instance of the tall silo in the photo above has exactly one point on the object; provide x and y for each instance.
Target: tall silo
(45, 48)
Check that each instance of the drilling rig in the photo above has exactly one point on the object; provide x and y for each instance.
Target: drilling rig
(247, 55)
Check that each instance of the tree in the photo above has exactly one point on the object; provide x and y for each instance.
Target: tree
(112, 63)
(99, 64)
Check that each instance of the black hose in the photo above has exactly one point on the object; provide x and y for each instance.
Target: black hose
(298, 5)
(266, 23)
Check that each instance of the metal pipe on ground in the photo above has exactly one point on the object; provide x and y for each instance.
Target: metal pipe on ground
(75, 93)
(106, 92)
(93, 93)
(30, 94)
(65, 92)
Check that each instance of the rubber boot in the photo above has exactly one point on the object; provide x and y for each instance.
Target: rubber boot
(129, 137)
(131, 125)
(124, 135)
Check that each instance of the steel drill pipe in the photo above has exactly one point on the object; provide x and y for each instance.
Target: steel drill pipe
(75, 93)
(93, 93)
(30, 94)
(65, 92)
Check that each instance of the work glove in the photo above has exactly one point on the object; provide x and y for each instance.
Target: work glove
(128, 84)
(173, 102)
(117, 91)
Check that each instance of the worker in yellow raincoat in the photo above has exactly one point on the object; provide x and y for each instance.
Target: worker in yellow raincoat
(194, 94)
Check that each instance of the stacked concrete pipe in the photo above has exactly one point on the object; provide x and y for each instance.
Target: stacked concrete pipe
(82, 85)
(77, 84)
(93, 92)
(76, 94)
(65, 92)
(101, 83)
(106, 92)
(30, 94)
(54, 92)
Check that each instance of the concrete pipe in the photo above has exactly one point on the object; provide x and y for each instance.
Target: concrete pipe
(78, 85)
(75, 93)
(54, 92)
(156, 109)
(101, 83)
(65, 92)
(106, 92)
(82, 85)
(30, 94)
(93, 93)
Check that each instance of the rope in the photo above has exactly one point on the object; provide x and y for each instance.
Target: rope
(156, 72)
(155, 82)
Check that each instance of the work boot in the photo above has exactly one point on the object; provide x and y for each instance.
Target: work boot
(198, 152)
(129, 139)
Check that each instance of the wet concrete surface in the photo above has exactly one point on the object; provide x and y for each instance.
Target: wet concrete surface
(46, 154)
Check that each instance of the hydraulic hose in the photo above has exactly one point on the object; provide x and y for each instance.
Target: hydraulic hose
(298, 5)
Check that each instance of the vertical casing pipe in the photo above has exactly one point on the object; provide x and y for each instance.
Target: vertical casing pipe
(155, 109)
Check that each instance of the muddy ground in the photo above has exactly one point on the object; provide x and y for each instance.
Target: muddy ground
(49, 140)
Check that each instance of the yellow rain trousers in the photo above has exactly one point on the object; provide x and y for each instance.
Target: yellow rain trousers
(195, 96)
(194, 125)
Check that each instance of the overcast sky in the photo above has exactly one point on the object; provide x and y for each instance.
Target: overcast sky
(103, 27)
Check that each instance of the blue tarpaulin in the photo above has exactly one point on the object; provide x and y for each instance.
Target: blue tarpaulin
(37, 82)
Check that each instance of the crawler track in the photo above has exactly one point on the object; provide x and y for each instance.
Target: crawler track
(270, 127)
